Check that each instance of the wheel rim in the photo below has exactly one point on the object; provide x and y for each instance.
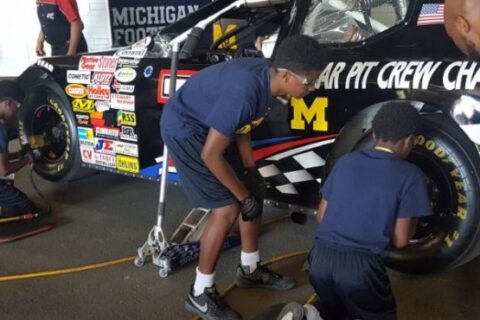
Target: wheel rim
(48, 123)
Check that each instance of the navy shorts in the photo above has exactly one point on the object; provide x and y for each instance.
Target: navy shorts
(350, 283)
(202, 188)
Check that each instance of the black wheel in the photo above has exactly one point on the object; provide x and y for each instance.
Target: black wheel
(46, 115)
(450, 163)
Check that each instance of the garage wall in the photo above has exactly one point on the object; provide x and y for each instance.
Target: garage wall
(19, 29)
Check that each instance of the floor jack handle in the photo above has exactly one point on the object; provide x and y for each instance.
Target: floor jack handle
(156, 241)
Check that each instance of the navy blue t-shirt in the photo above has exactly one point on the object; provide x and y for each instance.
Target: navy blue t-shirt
(231, 97)
(3, 139)
(366, 192)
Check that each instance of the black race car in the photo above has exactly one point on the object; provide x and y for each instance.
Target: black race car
(101, 110)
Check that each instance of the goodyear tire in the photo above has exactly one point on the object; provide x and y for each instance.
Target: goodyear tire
(46, 112)
(450, 162)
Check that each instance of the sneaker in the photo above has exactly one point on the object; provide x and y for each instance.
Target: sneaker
(210, 306)
(292, 311)
(262, 277)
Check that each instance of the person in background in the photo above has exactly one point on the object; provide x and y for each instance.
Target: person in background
(370, 201)
(13, 202)
(462, 22)
(206, 126)
(61, 27)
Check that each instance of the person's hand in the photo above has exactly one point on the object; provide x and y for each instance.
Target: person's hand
(250, 208)
(255, 183)
(39, 50)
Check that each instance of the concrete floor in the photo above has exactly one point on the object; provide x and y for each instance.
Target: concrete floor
(106, 217)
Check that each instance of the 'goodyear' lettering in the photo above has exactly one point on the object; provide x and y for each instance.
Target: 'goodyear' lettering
(314, 115)
(455, 174)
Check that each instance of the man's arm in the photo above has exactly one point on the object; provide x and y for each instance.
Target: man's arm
(213, 156)
(322, 206)
(40, 40)
(76, 28)
(404, 231)
(7, 167)
(245, 149)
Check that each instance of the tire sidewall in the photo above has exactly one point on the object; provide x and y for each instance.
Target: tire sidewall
(49, 94)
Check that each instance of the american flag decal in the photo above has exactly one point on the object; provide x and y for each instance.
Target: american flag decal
(431, 13)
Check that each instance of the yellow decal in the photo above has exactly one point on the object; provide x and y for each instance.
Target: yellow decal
(218, 32)
(302, 114)
(128, 164)
(83, 105)
(76, 90)
(126, 118)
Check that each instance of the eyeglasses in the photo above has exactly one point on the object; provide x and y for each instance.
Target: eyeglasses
(303, 80)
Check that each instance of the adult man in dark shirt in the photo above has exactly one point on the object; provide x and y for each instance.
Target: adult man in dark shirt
(205, 125)
(370, 200)
(12, 200)
(61, 27)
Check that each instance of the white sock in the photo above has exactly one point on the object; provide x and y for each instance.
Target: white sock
(250, 260)
(311, 313)
(202, 281)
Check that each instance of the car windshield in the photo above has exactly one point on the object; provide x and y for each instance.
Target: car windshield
(340, 21)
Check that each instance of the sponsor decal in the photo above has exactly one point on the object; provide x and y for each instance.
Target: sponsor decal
(104, 146)
(123, 102)
(45, 65)
(132, 21)
(147, 72)
(75, 90)
(82, 119)
(126, 62)
(126, 118)
(102, 78)
(136, 53)
(107, 132)
(98, 92)
(98, 63)
(120, 87)
(102, 106)
(142, 43)
(125, 74)
(105, 160)
(126, 148)
(76, 76)
(128, 164)
(83, 105)
(85, 134)
(128, 133)
(164, 82)
(96, 118)
(87, 154)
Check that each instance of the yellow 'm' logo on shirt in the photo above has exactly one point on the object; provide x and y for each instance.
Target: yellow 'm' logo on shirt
(249, 127)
